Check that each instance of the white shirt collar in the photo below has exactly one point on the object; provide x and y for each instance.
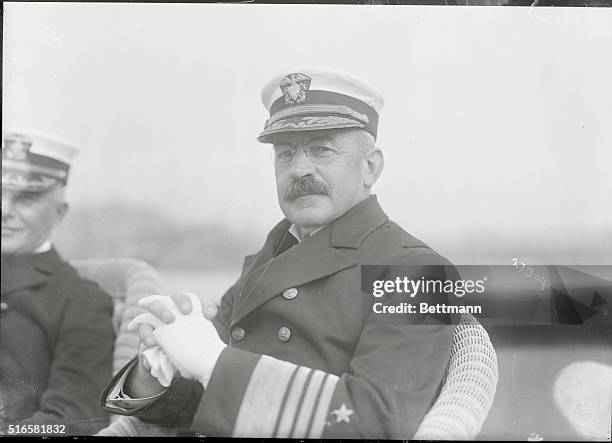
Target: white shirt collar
(46, 246)
(295, 231)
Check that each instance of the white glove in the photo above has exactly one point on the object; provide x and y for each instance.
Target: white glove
(161, 366)
(190, 342)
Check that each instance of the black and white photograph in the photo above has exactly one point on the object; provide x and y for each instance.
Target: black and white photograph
(375, 220)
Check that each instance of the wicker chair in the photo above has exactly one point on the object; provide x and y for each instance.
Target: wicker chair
(468, 388)
(126, 280)
(458, 413)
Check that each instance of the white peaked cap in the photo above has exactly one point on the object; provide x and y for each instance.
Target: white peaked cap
(34, 161)
(318, 98)
(45, 144)
(326, 80)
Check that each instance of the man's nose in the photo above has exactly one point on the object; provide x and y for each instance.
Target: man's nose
(301, 164)
(7, 206)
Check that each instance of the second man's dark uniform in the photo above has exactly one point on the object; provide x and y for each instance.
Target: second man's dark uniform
(56, 345)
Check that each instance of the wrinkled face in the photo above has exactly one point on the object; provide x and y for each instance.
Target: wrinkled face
(319, 174)
(28, 219)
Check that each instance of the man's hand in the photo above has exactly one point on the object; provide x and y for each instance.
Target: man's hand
(189, 340)
(140, 383)
(166, 315)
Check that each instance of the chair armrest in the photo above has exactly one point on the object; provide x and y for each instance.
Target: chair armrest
(468, 388)
(126, 280)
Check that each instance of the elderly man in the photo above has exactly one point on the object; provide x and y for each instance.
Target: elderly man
(294, 350)
(57, 338)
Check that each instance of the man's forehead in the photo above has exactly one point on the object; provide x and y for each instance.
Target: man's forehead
(331, 135)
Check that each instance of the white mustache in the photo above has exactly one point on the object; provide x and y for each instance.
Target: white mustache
(305, 186)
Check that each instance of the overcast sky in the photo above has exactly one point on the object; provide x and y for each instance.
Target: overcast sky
(496, 119)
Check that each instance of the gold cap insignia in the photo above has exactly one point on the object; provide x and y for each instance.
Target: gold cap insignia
(16, 146)
(294, 87)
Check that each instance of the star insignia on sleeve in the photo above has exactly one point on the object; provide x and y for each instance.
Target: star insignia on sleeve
(343, 414)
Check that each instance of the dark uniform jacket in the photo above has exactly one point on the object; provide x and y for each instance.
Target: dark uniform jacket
(305, 356)
(56, 345)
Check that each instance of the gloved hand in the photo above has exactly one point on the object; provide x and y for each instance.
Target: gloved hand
(190, 341)
(159, 364)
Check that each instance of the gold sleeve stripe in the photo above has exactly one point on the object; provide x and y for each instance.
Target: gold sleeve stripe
(322, 407)
(289, 411)
(300, 429)
(301, 400)
(263, 398)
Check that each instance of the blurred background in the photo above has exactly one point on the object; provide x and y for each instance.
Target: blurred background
(496, 127)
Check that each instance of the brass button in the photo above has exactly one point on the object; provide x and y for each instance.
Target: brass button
(290, 293)
(238, 334)
(284, 334)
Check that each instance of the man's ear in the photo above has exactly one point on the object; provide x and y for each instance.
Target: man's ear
(374, 164)
(62, 209)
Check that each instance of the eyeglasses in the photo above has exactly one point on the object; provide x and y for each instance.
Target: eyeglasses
(317, 153)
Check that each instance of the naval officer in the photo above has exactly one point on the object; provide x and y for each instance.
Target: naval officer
(291, 351)
(56, 338)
